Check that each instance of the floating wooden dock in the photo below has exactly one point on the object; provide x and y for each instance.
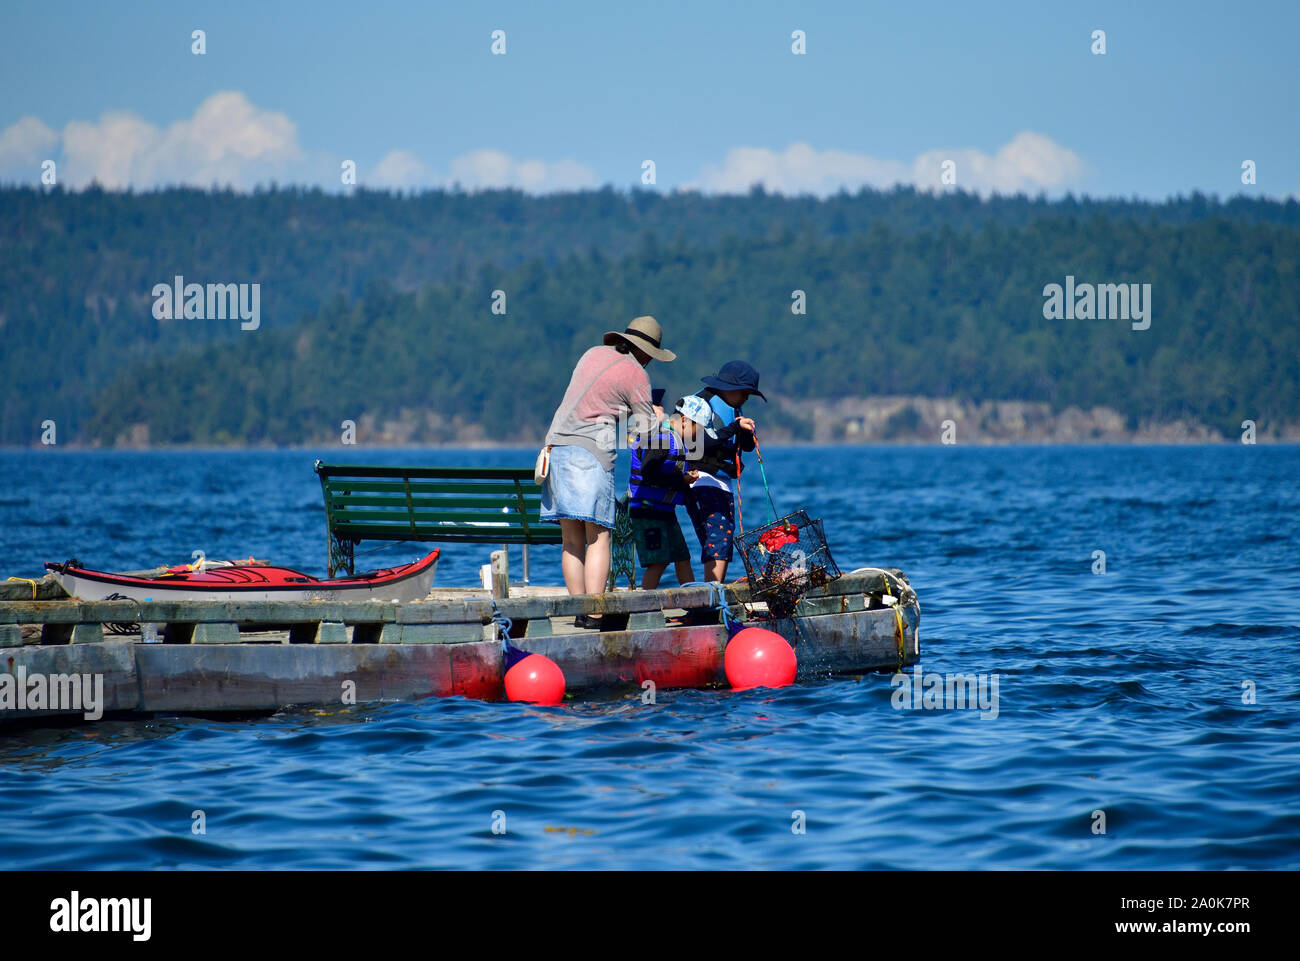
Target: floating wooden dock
(262, 656)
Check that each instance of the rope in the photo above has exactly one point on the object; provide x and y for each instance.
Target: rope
(718, 600)
(740, 520)
(503, 625)
(510, 655)
(28, 580)
(898, 634)
(763, 473)
(902, 594)
(121, 627)
(381, 547)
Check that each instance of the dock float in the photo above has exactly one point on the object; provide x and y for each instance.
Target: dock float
(261, 656)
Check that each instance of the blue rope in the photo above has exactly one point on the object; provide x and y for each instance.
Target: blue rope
(511, 654)
(718, 599)
(503, 624)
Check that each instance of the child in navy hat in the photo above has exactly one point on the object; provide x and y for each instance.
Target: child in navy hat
(711, 501)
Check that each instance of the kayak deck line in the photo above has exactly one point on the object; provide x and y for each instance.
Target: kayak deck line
(265, 655)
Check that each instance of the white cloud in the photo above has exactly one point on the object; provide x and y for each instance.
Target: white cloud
(799, 169)
(485, 169)
(1030, 162)
(400, 170)
(536, 176)
(481, 170)
(228, 141)
(108, 150)
(23, 146)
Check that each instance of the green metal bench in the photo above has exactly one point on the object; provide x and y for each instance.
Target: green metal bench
(482, 505)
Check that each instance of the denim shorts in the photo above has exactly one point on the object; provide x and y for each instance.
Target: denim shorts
(578, 488)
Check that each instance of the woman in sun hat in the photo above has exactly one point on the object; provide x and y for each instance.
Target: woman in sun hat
(609, 387)
(711, 501)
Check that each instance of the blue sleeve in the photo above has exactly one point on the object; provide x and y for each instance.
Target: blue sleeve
(665, 466)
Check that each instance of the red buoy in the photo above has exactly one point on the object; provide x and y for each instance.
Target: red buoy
(759, 658)
(535, 679)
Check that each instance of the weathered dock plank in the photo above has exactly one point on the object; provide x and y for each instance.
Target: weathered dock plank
(91, 633)
(69, 612)
(853, 642)
(44, 588)
(265, 677)
(671, 657)
(692, 656)
(113, 661)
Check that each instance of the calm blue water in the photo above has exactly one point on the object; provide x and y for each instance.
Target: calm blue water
(1120, 693)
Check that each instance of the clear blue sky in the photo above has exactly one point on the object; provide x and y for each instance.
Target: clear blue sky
(1184, 93)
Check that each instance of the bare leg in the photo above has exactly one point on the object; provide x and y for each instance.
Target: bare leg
(650, 579)
(573, 555)
(684, 573)
(715, 570)
(596, 566)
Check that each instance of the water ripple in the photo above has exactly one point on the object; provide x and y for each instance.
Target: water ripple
(1163, 694)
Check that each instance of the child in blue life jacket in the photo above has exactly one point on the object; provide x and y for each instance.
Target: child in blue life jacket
(661, 475)
(711, 501)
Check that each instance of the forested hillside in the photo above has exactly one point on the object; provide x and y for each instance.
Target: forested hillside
(377, 304)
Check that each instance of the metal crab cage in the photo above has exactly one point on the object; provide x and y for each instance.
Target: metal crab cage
(785, 560)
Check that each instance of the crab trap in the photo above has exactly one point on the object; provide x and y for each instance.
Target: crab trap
(785, 560)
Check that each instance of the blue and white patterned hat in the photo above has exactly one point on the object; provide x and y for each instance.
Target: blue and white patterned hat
(696, 408)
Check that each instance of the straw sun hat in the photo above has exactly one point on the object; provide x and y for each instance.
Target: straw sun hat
(645, 334)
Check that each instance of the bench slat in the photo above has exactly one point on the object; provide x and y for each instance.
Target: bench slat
(484, 519)
(460, 535)
(331, 471)
(344, 502)
(337, 486)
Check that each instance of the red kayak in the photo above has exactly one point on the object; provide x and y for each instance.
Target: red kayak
(247, 581)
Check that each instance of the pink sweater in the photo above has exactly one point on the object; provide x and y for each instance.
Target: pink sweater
(605, 386)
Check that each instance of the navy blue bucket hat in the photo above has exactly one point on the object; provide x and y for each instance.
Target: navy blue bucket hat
(735, 375)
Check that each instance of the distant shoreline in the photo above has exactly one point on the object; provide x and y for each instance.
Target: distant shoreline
(865, 421)
(881, 420)
(772, 445)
